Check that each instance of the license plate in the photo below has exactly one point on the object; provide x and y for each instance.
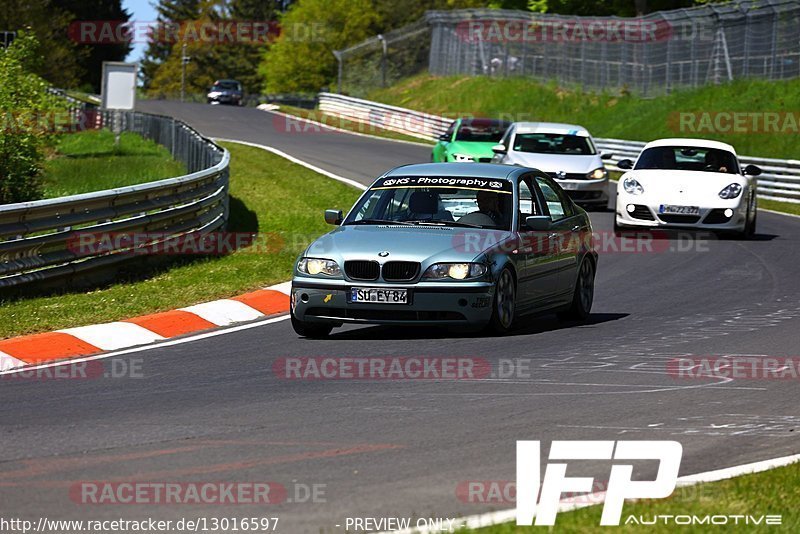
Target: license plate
(679, 210)
(569, 186)
(379, 296)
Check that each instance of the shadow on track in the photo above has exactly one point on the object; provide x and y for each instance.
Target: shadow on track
(527, 326)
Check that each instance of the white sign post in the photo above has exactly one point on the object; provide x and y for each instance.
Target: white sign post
(118, 91)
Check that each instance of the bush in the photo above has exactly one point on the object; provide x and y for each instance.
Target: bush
(27, 111)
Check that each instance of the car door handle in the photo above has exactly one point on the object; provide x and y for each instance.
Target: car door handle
(576, 228)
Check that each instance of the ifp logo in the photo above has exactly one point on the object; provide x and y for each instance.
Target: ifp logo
(620, 486)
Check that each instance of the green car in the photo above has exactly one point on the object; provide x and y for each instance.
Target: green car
(469, 140)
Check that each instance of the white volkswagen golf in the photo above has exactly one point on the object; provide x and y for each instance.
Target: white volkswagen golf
(690, 183)
(564, 151)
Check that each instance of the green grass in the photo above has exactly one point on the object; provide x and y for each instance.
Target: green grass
(268, 195)
(774, 205)
(775, 492)
(89, 161)
(349, 125)
(605, 115)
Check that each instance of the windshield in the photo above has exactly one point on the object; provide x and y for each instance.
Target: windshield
(226, 86)
(481, 130)
(445, 201)
(682, 158)
(549, 143)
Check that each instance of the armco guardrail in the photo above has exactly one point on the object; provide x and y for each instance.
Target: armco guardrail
(779, 181)
(38, 240)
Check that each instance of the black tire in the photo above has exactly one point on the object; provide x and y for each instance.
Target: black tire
(750, 225)
(582, 295)
(311, 330)
(617, 228)
(504, 304)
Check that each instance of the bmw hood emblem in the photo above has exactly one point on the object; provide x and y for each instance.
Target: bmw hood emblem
(383, 254)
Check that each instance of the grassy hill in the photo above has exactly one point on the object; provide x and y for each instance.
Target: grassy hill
(623, 116)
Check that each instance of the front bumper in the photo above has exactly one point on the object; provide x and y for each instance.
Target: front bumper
(430, 303)
(710, 218)
(225, 99)
(586, 191)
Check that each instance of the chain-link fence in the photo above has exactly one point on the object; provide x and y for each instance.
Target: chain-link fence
(647, 55)
(385, 59)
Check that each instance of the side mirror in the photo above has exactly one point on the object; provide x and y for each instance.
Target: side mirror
(333, 217)
(444, 137)
(625, 164)
(538, 223)
(606, 155)
(752, 170)
(499, 149)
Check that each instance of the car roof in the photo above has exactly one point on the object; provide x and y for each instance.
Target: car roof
(698, 143)
(551, 127)
(467, 170)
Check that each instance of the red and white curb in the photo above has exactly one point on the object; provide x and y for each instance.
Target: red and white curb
(82, 341)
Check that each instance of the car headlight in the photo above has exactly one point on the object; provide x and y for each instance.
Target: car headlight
(632, 186)
(730, 191)
(213, 94)
(463, 158)
(597, 174)
(315, 266)
(455, 271)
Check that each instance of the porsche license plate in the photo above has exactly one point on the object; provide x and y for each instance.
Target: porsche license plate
(379, 295)
(679, 210)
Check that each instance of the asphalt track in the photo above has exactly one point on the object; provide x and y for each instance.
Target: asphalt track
(214, 410)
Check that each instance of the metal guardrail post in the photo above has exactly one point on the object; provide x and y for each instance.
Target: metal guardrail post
(38, 239)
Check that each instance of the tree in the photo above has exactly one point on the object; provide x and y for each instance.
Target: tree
(24, 103)
(209, 60)
(301, 59)
(60, 63)
(91, 56)
(158, 50)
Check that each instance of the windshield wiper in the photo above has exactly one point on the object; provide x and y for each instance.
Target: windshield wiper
(468, 225)
(378, 221)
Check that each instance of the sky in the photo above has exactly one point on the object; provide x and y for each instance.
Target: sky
(141, 11)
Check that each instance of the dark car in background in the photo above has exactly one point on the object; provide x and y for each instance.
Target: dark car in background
(225, 92)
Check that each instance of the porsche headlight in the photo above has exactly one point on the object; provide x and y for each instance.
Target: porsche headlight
(632, 187)
(317, 266)
(597, 174)
(455, 271)
(463, 158)
(730, 191)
